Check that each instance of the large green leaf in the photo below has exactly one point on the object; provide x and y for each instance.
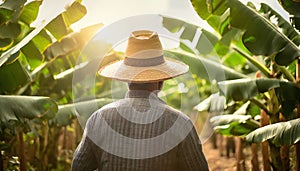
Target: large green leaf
(32, 54)
(283, 133)
(205, 68)
(287, 93)
(214, 12)
(19, 109)
(285, 27)
(72, 42)
(5, 14)
(261, 37)
(66, 113)
(235, 125)
(5, 43)
(214, 103)
(74, 13)
(205, 42)
(208, 8)
(30, 12)
(60, 26)
(10, 30)
(55, 31)
(242, 89)
(10, 10)
(13, 76)
(289, 96)
(13, 4)
(291, 6)
(42, 40)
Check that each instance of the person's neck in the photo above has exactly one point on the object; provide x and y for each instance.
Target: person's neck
(155, 91)
(151, 87)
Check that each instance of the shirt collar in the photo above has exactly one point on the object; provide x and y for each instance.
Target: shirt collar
(143, 94)
(140, 94)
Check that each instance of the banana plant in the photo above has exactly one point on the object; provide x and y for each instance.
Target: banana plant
(283, 133)
(31, 43)
(83, 110)
(17, 110)
(18, 113)
(292, 6)
(33, 61)
(256, 30)
(256, 26)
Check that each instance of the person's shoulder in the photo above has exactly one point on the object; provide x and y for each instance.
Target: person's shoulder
(108, 107)
(176, 113)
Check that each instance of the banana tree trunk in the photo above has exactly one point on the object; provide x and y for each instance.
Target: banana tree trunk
(264, 145)
(221, 144)
(1, 162)
(52, 149)
(22, 151)
(240, 158)
(275, 157)
(254, 157)
(285, 152)
(297, 145)
(274, 118)
(213, 139)
(285, 157)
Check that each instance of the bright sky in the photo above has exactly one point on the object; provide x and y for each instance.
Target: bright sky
(112, 11)
(108, 11)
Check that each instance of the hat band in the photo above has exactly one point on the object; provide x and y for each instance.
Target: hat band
(144, 62)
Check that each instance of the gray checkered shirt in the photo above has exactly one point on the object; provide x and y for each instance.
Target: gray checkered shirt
(139, 132)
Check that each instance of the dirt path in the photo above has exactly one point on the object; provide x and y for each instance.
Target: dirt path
(217, 162)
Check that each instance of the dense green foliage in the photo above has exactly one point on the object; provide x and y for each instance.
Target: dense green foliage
(37, 68)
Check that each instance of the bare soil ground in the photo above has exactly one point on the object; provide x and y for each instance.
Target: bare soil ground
(217, 162)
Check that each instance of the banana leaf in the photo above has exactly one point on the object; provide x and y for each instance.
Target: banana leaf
(214, 12)
(204, 43)
(291, 6)
(285, 27)
(16, 110)
(207, 8)
(13, 76)
(71, 42)
(214, 103)
(30, 12)
(242, 89)
(10, 10)
(261, 36)
(5, 56)
(234, 125)
(10, 30)
(282, 133)
(287, 93)
(60, 25)
(83, 110)
(205, 68)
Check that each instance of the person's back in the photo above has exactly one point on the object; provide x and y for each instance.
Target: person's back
(164, 138)
(140, 132)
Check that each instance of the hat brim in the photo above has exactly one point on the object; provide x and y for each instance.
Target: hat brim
(119, 71)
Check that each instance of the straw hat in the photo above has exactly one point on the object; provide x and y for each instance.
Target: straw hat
(144, 61)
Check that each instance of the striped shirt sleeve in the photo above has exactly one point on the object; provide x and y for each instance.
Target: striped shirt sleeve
(190, 153)
(84, 157)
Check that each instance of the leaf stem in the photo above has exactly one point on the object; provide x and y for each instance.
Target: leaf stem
(260, 104)
(286, 73)
(256, 63)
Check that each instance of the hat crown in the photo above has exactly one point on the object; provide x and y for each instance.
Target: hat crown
(143, 44)
(144, 61)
